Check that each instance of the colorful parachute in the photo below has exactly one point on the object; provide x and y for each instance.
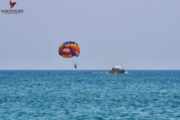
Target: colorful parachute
(69, 49)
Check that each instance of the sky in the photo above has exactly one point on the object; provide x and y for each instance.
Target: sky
(137, 34)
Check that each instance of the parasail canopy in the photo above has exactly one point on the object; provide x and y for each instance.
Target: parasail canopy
(69, 49)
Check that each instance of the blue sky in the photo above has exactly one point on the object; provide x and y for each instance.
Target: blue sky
(140, 34)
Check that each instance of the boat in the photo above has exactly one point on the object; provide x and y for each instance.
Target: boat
(118, 69)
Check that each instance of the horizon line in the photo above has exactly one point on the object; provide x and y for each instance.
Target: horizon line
(79, 69)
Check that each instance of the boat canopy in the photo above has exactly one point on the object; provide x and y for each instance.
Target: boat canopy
(118, 67)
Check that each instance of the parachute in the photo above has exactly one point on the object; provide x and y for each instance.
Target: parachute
(69, 49)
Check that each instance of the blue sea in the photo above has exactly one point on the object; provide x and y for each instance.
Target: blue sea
(89, 95)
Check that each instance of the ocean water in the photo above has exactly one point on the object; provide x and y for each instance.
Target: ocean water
(89, 95)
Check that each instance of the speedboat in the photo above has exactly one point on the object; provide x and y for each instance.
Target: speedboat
(118, 69)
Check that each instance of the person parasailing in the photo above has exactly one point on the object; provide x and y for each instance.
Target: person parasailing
(75, 65)
(69, 49)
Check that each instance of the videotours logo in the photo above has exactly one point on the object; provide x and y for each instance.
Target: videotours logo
(11, 3)
(11, 10)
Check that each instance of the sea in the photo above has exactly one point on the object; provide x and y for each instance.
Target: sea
(89, 95)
